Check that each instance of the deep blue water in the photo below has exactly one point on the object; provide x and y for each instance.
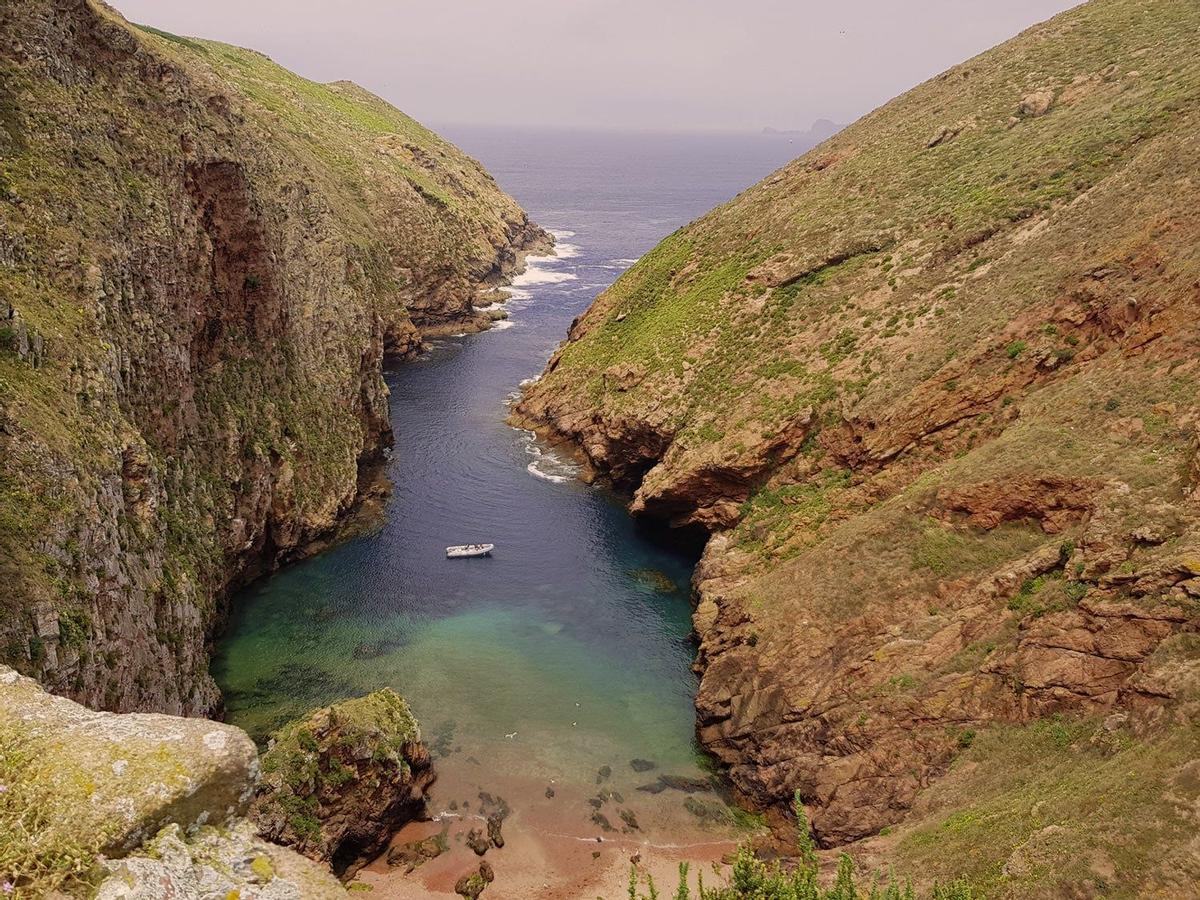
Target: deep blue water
(574, 635)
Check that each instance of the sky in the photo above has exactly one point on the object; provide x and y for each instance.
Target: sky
(658, 65)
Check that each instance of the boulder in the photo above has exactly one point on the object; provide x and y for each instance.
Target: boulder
(1036, 103)
(339, 783)
(118, 779)
(216, 864)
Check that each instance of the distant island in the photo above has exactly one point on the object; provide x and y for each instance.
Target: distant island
(821, 130)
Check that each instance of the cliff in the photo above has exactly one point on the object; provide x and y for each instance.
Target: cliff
(932, 390)
(203, 261)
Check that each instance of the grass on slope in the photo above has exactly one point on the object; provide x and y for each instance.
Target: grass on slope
(1035, 810)
(875, 228)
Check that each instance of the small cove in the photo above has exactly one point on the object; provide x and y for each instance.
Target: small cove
(566, 655)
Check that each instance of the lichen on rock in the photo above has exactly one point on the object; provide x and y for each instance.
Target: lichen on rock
(133, 806)
(112, 781)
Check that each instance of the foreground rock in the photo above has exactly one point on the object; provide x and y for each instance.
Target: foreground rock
(134, 806)
(338, 784)
(117, 779)
(217, 864)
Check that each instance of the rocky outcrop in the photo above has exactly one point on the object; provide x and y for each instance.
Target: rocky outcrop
(338, 784)
(133, 806)
(216, 864)
(156, 769)
(204, 259)
(935, 402)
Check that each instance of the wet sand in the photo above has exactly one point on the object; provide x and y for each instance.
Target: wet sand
(553, 850)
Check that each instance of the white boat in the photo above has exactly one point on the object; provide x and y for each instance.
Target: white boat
(464, 551)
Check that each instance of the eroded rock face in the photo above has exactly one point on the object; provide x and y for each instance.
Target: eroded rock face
(204, 260)
(338, 784)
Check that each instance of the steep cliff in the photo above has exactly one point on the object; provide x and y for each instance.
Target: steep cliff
(203, 260)
(933, 390)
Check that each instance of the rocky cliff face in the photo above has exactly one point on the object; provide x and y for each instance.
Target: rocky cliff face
(203, 260)
(932, 389)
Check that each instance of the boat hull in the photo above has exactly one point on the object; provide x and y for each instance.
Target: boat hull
(470, 551)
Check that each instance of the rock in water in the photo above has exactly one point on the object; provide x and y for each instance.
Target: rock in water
(472, 885)
(340, 782)
(477, 841)
(494, 823)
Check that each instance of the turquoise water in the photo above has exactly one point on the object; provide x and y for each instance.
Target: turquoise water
(567, 651)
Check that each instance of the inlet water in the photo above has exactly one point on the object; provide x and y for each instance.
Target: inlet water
(565, 655)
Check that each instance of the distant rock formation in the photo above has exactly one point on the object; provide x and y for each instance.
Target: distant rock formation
(821, 130)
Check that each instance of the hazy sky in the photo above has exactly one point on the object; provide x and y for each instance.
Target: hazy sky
(727, 65)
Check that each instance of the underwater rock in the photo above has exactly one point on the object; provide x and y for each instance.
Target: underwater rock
(477, 841)
(494, 822)
(642, 765)
(416, 853)
(655, 580)
(686, 784)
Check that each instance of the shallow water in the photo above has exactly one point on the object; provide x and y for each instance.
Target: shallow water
(567, 650)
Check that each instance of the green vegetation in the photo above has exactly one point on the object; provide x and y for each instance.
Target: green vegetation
(319, 755)
(898, 378)
(753, 879)
(1028, 811)
(271, 393)
(35, 859)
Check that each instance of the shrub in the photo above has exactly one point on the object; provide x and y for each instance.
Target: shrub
(753, 879)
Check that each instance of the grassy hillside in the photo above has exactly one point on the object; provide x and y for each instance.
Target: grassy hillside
(932, 387)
